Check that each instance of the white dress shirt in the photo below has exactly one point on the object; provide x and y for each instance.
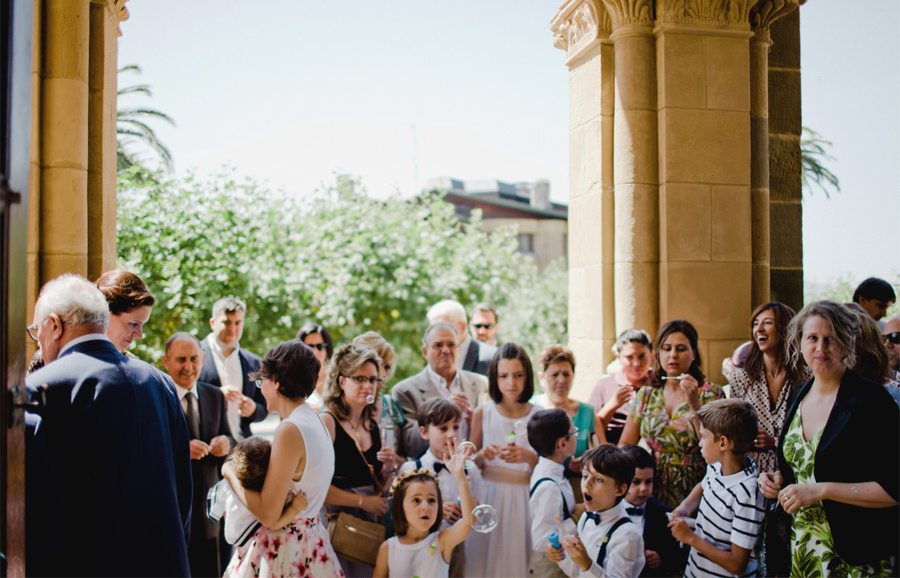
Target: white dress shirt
(230, 374)
(639, 520)
(624, 549)
(547, 502)
(182, 393)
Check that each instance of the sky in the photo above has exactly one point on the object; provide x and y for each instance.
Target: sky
(398, 92)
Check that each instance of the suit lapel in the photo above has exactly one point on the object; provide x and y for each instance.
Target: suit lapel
(840, 413)
(471, 359)
(468, 387)
(204, 411)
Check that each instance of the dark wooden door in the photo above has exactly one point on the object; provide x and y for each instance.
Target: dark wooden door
(16, 20)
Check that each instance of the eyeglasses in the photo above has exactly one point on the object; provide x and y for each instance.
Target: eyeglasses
(259, 383)
(32, 329)
(319, 346)
(893, 337)
(362, 380)
(438, 346)
(483, 325)
(571, 433)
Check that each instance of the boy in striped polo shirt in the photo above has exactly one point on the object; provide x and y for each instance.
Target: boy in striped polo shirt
(731, 505)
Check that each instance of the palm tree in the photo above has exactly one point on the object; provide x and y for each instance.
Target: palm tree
(812, 153)
(131, 127)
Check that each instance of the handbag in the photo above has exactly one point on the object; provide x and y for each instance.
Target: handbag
(352, 537)
(775, 555)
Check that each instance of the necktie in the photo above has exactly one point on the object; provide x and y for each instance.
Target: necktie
(438, 466)
(192, 417)
(635, 511)
(594, 517)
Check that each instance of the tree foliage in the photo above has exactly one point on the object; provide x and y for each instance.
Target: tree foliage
(132, 127)
(813, 152)
(338, 258)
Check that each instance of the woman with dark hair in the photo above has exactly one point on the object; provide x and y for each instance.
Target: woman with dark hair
(365, 467)
(130, 303)
(766, 379)
(613, 393)
(506, 460)
(301, 461)
(317, 337)
(664, 412)
(838, 476)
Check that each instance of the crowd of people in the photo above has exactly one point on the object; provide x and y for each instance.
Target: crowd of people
(788, 469)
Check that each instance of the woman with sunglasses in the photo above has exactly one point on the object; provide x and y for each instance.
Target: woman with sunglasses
(363, 467)
(317, 337)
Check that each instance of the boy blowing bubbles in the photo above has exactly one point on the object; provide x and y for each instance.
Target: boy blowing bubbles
(731, 505)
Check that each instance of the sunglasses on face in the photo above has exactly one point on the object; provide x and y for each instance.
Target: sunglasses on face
(892, 337)
(319, 346)
(483, 325)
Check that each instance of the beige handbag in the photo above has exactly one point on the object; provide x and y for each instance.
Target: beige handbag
(355, 539)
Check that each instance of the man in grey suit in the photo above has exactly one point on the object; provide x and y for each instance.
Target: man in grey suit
(474, 355)
(440, 378)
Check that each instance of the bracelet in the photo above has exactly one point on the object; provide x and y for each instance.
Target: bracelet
(359, 505)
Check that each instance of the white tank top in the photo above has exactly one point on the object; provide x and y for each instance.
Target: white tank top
(420, 559)
(319, 468)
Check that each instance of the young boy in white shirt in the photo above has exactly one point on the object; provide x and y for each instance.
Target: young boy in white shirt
(608, 544)
(730, 503)
(439, 421)
(553, 436)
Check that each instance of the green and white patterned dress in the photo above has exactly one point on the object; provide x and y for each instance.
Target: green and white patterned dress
(812, 547)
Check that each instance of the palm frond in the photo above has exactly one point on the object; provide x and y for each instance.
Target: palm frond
(813, 151)
(131, 128)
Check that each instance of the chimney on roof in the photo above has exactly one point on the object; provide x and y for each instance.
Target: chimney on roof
(540, 194)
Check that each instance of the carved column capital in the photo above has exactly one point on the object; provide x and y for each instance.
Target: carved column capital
(578, 26)
(630, 13)
(725, 14)
(766, 12)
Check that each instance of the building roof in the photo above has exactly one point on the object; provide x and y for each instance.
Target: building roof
(498, 199)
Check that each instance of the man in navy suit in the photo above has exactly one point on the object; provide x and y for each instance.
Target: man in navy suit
(228, 366)
(206, 412)
(117, 439)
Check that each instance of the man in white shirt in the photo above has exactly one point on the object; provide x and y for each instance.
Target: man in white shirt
(228, 366)
(441, 377)
(474, 355)
(206, 412)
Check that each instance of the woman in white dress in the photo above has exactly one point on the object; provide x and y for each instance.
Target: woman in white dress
(302, 460)
(506, 461)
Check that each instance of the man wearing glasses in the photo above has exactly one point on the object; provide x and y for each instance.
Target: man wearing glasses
(229, 366)
(441, 377)
(118, 442)
(891, 334)
(473, 355)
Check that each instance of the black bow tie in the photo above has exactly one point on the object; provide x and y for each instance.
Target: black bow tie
(635, 511)
(438, 466)
(594, 517)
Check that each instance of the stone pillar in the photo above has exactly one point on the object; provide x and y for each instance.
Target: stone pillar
(785, 168)
(703, 62)
(581, 28)
(635, 166)
(761, 18)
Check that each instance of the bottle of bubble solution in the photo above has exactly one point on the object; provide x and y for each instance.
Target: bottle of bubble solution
(387, 428)
(554, 541)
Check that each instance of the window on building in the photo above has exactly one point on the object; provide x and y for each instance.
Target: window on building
(526, 242)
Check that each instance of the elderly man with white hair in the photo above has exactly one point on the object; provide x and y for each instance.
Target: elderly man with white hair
(118, 441)
(474, 355)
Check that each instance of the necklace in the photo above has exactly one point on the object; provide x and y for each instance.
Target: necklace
(355, 427)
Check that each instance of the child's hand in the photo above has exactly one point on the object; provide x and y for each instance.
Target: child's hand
(452, 512)
(576, 550)
(653, 559)
(453, 460)
(681, 511)
(681, 531)
(555, 555)
(490, 451)
(299, 502)
(199, 449)
(514, 454)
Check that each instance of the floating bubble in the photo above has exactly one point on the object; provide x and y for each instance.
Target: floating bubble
(370, 399)
(520, 427)
(485, 518)
(467, 450)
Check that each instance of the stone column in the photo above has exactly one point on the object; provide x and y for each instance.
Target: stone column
(635, 166)
(581, 28)
(703, 72)
(761, 18)
(64, 138)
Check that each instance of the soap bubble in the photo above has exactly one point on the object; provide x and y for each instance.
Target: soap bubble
(370, 399)
(485, 518)
(467, 450)
(520, 427)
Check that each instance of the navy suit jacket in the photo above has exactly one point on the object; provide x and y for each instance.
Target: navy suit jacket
(207, 471)
(478, 356)
(249, 364)
(658, 538)
(118, 439)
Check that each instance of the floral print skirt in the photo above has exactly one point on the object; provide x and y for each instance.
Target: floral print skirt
(812, 547)
(298, 550)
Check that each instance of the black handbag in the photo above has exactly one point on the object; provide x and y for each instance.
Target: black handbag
(775, 555)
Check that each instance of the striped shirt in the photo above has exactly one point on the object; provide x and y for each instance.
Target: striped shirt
(731, 512)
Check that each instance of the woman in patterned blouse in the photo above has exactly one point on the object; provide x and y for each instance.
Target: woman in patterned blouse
(766, 380)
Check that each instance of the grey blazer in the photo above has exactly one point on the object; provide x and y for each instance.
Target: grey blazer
(413, 391)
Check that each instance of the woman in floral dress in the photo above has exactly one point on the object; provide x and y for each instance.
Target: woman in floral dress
(663, 412)
(838, 473)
